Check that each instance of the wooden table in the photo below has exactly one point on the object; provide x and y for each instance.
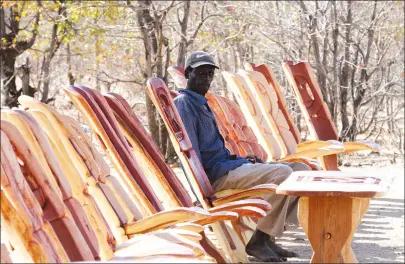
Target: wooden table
(331, 207)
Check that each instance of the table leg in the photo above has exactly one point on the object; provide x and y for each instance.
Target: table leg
(360, 207)
(330, 223)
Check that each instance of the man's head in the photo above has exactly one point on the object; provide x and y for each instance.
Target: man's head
(199, 70)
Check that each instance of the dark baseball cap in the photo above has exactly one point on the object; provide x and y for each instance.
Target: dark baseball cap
(198, 58)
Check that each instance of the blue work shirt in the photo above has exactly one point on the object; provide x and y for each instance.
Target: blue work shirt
(203, 132)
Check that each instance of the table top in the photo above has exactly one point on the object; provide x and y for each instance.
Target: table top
(360, 184)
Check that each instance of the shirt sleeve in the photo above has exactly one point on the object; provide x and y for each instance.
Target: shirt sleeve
(189, 120)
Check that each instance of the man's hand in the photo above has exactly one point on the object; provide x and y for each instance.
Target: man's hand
(254, 159)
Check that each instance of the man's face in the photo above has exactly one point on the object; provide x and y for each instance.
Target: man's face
(200, 78)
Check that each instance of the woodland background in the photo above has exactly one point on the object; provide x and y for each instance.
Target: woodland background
(356, 49)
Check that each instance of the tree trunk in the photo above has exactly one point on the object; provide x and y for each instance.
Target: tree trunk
(69, 63)
(364, 77)
(10, 50)
(145, 23)
(345, 74)
(55, 44)
(183, 42)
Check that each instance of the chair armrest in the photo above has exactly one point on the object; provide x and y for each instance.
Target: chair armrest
(188, 227)
(164, 219)
(256, 191)
(154, 246)
(361, 145)
(168, 236)
(315, 144)
(215, 217)
(249, 211)
(258, 203)
(313, 163)
(334, 147)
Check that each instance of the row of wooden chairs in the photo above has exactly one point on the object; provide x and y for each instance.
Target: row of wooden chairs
(60, 203)
(257, 91)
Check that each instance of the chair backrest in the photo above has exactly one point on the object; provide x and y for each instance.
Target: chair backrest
(23, 222)
(254, 115)
(267, 98)
(236, 125)
(310, 100)
(142, 142)
(313, 107)
(68, 151)
(282, 103)
(177, 74)
(66, 231)
(116, 147)
(163, 188)
(111, 199)
(161, 98)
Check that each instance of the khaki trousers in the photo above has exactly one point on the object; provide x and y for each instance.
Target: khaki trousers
(284, 208)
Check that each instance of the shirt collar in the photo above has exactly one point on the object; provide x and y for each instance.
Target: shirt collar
(197, 98)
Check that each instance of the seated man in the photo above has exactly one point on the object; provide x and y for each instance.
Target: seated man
(227, 171)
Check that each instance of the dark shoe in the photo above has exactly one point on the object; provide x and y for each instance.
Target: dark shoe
(257, 247)
(271, 243)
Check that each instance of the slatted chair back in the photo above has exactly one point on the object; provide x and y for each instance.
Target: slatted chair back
(118, 151)
(281, 101)
(38, 143)
(253, 114)
(267, 98)
(313, 107)
(42, 247)
(143, 144)
(112, 205)
(309, 95)
(238, 130)
(23, 222)
(81, 179)
(111, 199)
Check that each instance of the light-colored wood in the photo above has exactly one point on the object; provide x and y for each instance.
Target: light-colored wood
(267, 100)
(254, 116)
(255, 191)
(330, 223)
(361, 145)
(282, 103)
(331, 206)
(258, 203)
(165, 219)
(359, 184)
(189, 227)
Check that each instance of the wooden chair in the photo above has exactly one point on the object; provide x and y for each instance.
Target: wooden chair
(115, 205)
(137, 135)
(252, 91)
(240, 143)
(23, 219)
(162, 171)
(316, 111)
(161, 98)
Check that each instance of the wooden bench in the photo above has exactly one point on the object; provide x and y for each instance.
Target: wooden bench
(331, 207)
